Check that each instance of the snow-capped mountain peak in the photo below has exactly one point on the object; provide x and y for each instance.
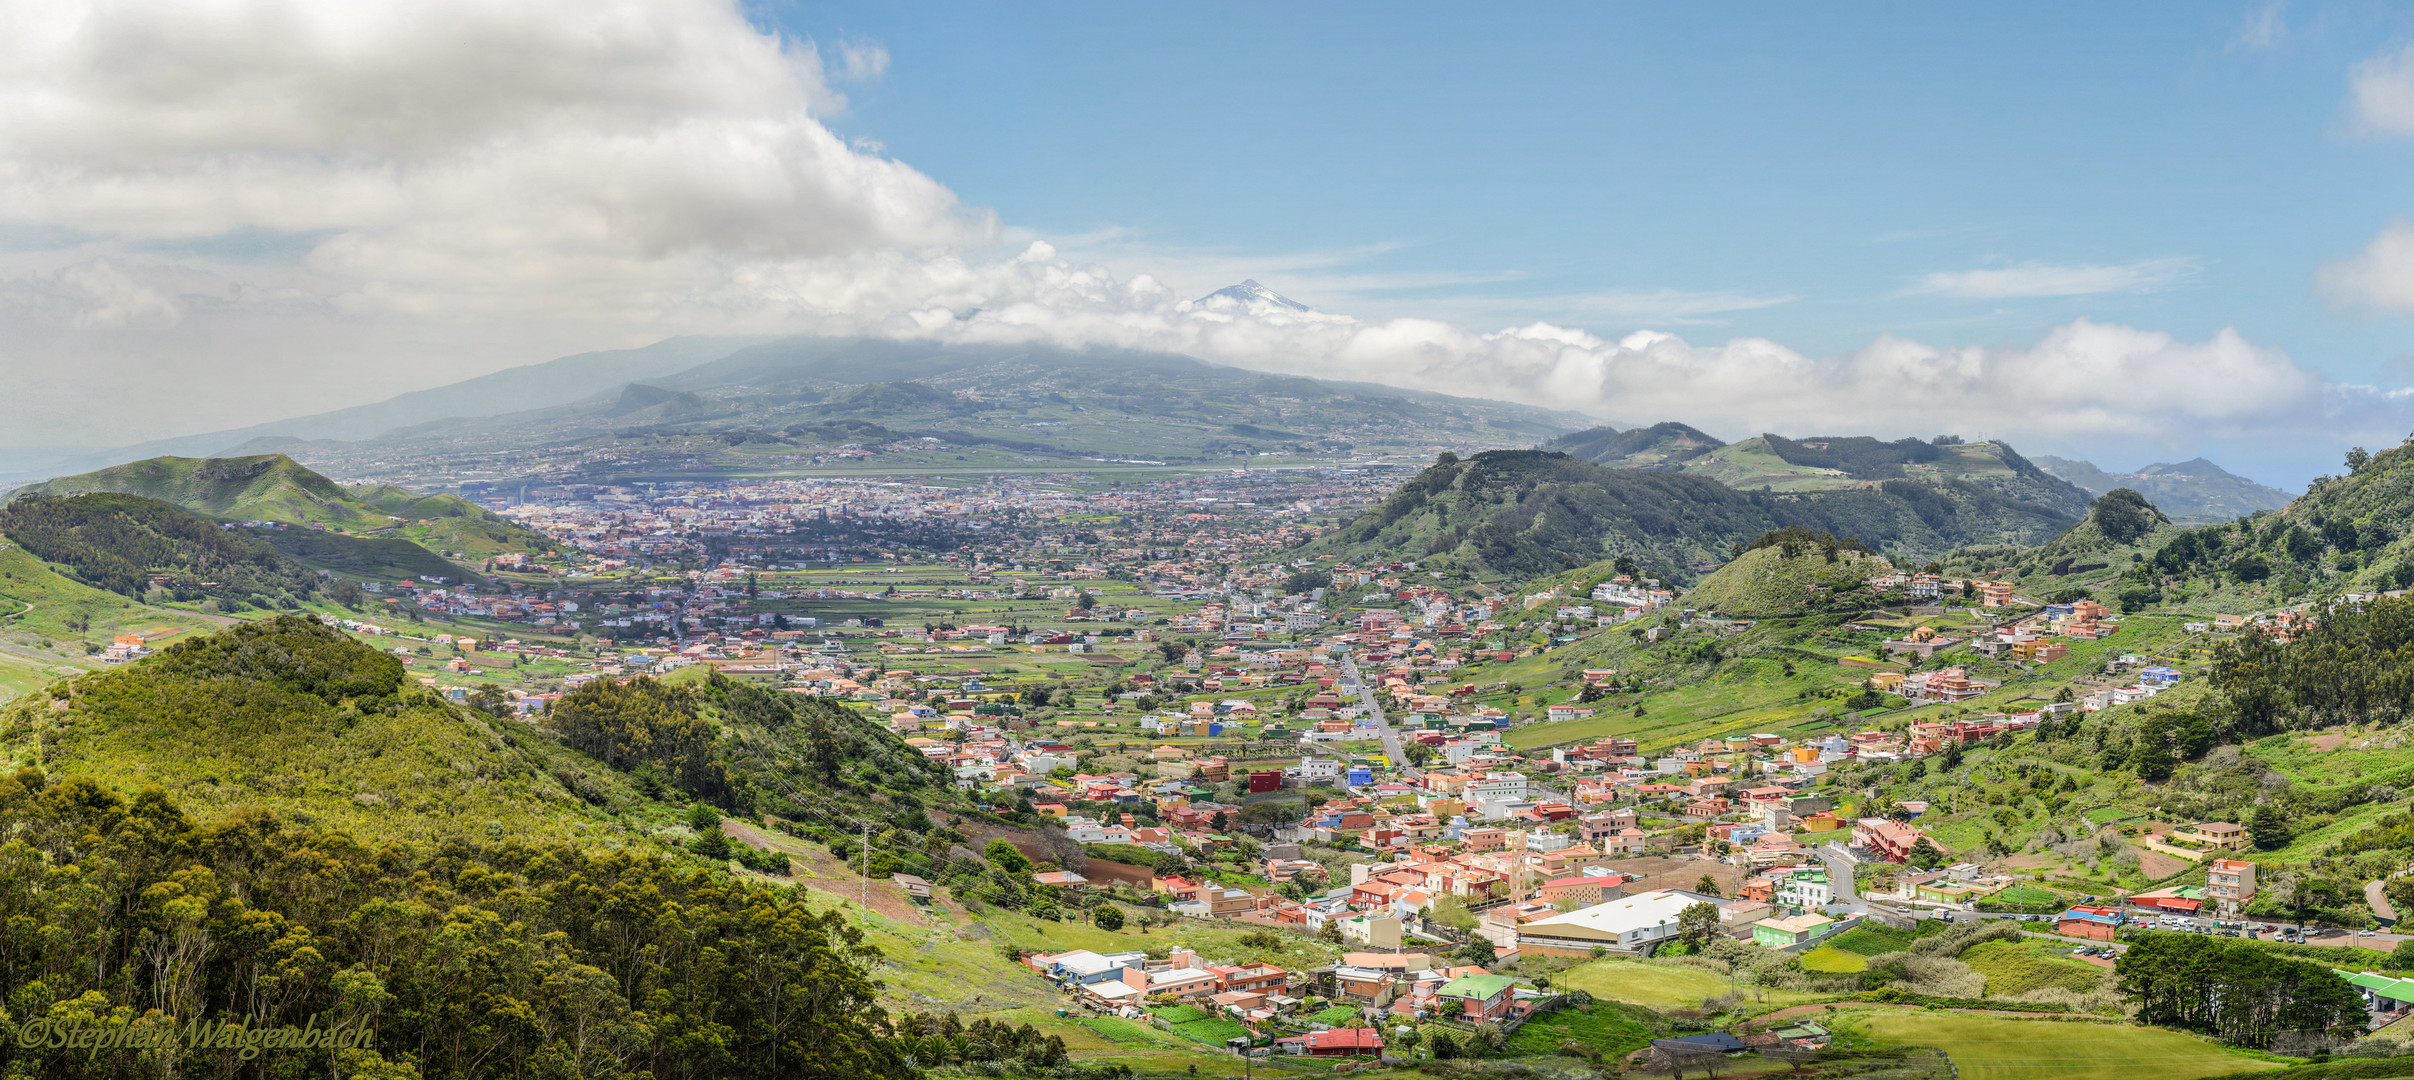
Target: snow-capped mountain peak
(1251, 297)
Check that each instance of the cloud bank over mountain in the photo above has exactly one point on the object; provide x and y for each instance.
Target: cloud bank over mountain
(253, 208)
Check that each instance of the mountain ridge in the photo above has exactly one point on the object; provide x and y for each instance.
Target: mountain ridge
(275, 488)
(1001, 405)
(1528, 513)
(2195, 491)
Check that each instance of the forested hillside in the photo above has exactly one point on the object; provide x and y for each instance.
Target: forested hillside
(2346, 534)
(2097, 556)
(117, 542)
(1528, 513)
(505, 957)
(276, 822)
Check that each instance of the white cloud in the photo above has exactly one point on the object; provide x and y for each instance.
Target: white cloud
(2034, 280)
(860, 61)
(2383, 90)
(116, 299)
(548, 155)
(2380, 276)
(2264, 27)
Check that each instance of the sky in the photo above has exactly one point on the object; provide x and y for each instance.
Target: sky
(2122, 232)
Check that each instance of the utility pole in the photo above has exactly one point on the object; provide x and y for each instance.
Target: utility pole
(863, 891)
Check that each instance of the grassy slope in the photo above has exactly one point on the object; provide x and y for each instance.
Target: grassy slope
(383, 557)
(37, 604)
(2013, 968)
(1751, 465)
(1612, 1028)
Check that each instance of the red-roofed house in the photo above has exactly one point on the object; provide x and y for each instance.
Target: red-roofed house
(1339, 1042)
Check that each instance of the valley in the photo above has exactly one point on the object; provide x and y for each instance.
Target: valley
(1887, 723)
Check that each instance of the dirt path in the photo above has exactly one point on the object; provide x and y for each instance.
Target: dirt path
(2376, 894)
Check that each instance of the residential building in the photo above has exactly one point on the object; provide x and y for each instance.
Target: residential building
(1804, 889)
(1782, 933)
(2218, 835)
(1478, 999)
(1887, 839)
(2230, 884)
(1339, 1042)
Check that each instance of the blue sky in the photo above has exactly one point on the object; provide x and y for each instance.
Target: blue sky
(1511, 167)
(2129, 232)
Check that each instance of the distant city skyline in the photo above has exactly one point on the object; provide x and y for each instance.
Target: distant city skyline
(2136, 234)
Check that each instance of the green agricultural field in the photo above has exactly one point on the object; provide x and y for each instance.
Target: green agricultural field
(2013, 968)
(1742, 698)
(1997, 1048)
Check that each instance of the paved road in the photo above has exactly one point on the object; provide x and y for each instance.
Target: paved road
(1839, 865)
(1366, 696)
(2375, 896)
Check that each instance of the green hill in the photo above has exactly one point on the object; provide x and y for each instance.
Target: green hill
(275, 825)
(2192, 492)
(293, 716)
(130, 545)
(2345, 534)
(1829, 463)
(276, 488)
(1526, 513)
(1791, 575)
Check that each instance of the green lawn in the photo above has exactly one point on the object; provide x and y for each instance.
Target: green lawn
(1995, 1048)
(1831, 959)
